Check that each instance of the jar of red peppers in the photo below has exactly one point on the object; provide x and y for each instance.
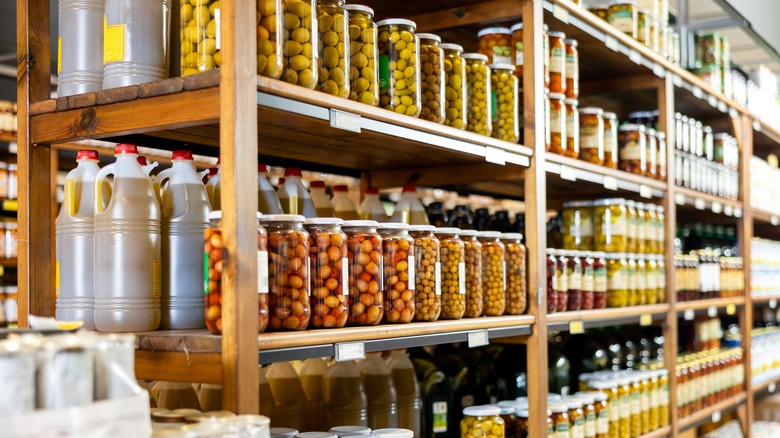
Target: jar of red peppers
(562, 279)
(588, 280)
(288, 272)
(427, 272)
(574, 282)
(552, 281)
(398, 263)
(473, 258)
(493, 273)
(599, 280)
(364, 253)
(557, 62)
(453, 273)
(516, 296)
(329, 266)
(610, 140)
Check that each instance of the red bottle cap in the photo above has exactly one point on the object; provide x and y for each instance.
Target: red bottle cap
(87, 154)
(292, 172)
(213, 171)
(281, 182)
(142, 160)
(126, 148)
(317, 184)
(218, 160)
(372, 191)
(262, 168)
(182, 155)
(410, 188)
(340, 188)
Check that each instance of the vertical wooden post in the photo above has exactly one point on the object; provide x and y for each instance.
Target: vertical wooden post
(238, 152)
(744, 133)
(36, 255)
(536, 217)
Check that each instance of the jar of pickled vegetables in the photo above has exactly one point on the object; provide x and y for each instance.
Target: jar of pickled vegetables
(562, 280)
(599, 280)
(617, 280)
(651, 292)
(645, 386)
(643, 244)
(557, 125)
(578, 225)
(663, 397)
(455, 98)
(572, 69)
(660, 172)
(214, 254)
(399, 67)
(633, 286)
(473, 258)
(547, 123)
(572, 125)
(288, 272)
(610, 139)
(632, 220)
(601, 408)
(560, 418)
(576, 417)
(334, 65)
(632, 152)
(496, 44)
(574, 281)
(453, 277)
(505, 85)
(552, 281)
(479, 105)
(622, 15)
(517, 48)
(636, 405)
(653, 388)
(516, 295)
(427, 273)
(588, 280)
(364, 253)
(329, 277)
(363, 53)
(493, 273)
(588, 414)
(651, 144)
(557, 62)
(624, 393)
(398, 263)
(610, 225)
(609, 388)
(546, 56)
(660, 276)
(511, 421)
(482, 421)
(591, 135)
(432, 78)
(300, 40)
(642, 274)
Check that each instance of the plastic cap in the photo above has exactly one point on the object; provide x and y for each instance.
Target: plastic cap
(215, 214)
(317, 185)
(469, 233)
(213, 171)
(181, 155)
(429, 36)
(410, 189)
(398, 21)
(292, 172)
(516, 27)
(360, 223)
(423, 228)
(324, 221)
(350, 430)
(393, 226)
(86, 154)
(448, 230)
(126, 148)
(315, 435)
(283, 218)
(494, 30)
(490, 234)
(142, 160)
(482, 411)
(283, 432)
(372, 191)
(507, 410)
(359, 8)
(340, 188)
(512, 236)
(262, 168)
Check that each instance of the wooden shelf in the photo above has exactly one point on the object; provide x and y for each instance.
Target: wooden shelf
(7, 137)
(706, 304)
(762, 300)
(658, 433)
(9, 263)
(704, 414)
(766, 139)
(608, 317)
(763, 386)
(692, 200)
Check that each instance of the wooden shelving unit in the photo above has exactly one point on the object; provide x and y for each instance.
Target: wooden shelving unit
(704, 415)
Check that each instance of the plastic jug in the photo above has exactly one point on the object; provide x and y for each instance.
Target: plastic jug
(407, 390)
(311, 373)
(185, 216)
(293, 195)
(176, 395)
(267, 200)
(146, 166)
(264, 392)
(128, 262)
(343, 205)
(80, 47)
(371, 209)
(210, 396)
(343, 397)
(409, 209)
(321, 200)
(212, 187)
(380, 392)
(75, 233)
(287, 395)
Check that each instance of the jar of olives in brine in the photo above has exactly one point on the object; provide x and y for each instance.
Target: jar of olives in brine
(651, 144)
(364, 52)
(329, 278)
(660, 230)
(516, 295)
(609, 388)
(588, 280)
(572, 69)
(641, 280)
(214, 255)
(591, 135)
(610, 225)
(455, 86)
(496, 44)
(617, 280)
(578, 225)
(399, 67)
(398, 263)
(562, 280)
(505, 85)
(601, 408)
(576, 417)
(200, 50)
(364, 253)
(473, 257)
(427, 272)
(334, 60)
(557, 62)
(288, 272)
(622, 15)
(633, 150)
(552, 281)
(301, 43)
(517, 48)
(610, 140)
(432, 78)
(482, 421)
(572, 125)
(493, 273)
(453, 277)
(632, 220)
(479, 105)
(588, 413)
(557, 125)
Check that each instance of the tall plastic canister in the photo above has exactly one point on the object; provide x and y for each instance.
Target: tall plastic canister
(380, 392)
(409, 209)
(293, 195)
(321, 200)
(343, 396)
(288, 395)
(185, 216)
(128, 262)
(407, 390)
(371, 208)
(267, 199)
(212, 185)
(342, 204)
(75, 232)
(311, 373)
(80, 47)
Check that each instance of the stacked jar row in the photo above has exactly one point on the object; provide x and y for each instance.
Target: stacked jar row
(764, 363)
(704, 275)
(581, 280)
(705, 379)
(614, 225)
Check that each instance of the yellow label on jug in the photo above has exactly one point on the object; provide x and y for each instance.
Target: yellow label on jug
(156, 279)
(57, 278)
(113, 42)
(59, 55)
(70, 195)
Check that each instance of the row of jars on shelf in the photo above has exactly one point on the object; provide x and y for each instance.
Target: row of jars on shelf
(330, 273)
(701, 174)
(704, 275)
(764, 362)
(582, 280)
(704, 379)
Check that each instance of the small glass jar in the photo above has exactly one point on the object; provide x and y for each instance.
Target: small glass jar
(632, 152)
(574, 281)
(479, 106)
(455, 89)
(552, 281)
(660, 172)
(572, 69)
(453, 273)
(578, 225)
(624, 392)
(505, 85)
(516, 295)
(517, 47)
(588, 280)
(610, 139)
(511, 421)
(493, 272)
(557, 125)
(572, 125)
(560, 418)
(399, 77)
(654, 389)
(617, 280)
(557, 64)
(334, 65)
(610, 225)
(622, 15)
(651, 145)
(599, 280)
(364, 253)
(645, 388)
(432, 77)
(288, 272)
(562, 280)
(427, 272)
(650, 220)
(364, 52)
(591, 135)
(651, 294)
(329, 277)
(576, 417)
(398, 263)
(547, 122)
(473, 258)
(609, 388)
(641, 281)
(660, 229)
(643, 241)
(632, 220)
(482, 421)
(300, 40)
(601, 410)
(546, 56)
(633, 287)
(643, 27)
(663, 398)
(496, 44)
(588, 414)
(660, 276)
(522, 423)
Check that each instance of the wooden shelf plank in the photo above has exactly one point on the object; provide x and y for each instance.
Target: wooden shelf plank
(9, 262)
(692, 200)
(706, 304)
(607, 317)
(704, 414)
(658, 433)
(760, 387)
(7, 137)
(763, 300)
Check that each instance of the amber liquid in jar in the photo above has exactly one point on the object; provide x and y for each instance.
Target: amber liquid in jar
(633, 150)
(572, 125)
(591, 135)
(557, 62)
(558, 143)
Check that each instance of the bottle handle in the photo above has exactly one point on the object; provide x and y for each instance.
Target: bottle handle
(202, 174)
(158, 181)
(100, 178)
(149, 167)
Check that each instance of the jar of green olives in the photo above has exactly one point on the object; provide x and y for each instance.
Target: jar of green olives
(399, 67)
(431, 77)
(453, 273)
(455, 86)
(334, 60)
(479, 108)
(504, 85)
(482, 421)
(427, 269)
(610, 225)
(199, 25)
(578, 225)
(363, 52)
(300, 41)
(493, 273)
(473, 259)
(516, 295)
(617, 280)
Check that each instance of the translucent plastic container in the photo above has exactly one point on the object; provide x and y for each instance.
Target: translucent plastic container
(294, 197)
(329, 276)
(380, 392)
(343, 205)
(453, 273)
(371, 208)
(176, 395)
(427, 273)
(364, 52)
(287, 395)
(409, 209)
(407, 390)
(473, 259)
(311, 374)
(321, 200)
(80, 47)
(267, 200)
(399, 67)
(364, 251)
(301, 43)
(343, 396)
(334, 66)
(432, 77)
(493, 273)
(399, 262)
(455, 86)
(478, 106)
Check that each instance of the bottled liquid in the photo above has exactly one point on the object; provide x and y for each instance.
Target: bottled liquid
(293, 195)
(407, 390)
(320, 198)
(437, 216)
(267, 200)
(185, 216)
(210, 396)
(462, 218)
(212, 188)
(501, 222)
(127, 248)
(148, 167)
(311, 373)
(371, 208)
(409, 209)
(176, 395)
(344, 207)
(343, 396)
(80, 47)
(380, 392)
(287, 395)
(482, 220)
(75, 231)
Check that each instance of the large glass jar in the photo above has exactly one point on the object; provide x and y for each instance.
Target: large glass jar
(288, 272)
(516, 295)
(572, 125)
(214, 253)
(496, 44)
(632, 222)
(588, 280)
(651, 145)
(610, 140)
(622, 15)
(301, 43)
(561, 280)
(473, 258)
(329, 277)
(591, 135)
(552, 281)
(364, 53)
(610, 225)
(482, 421)
(617, 280)
(578, 225)
(455, 89)
(517, 47)
(506, 110)
(633, 150)
(453, 277)
(334, 64)
(572, 69)
(398, 263)
(399, 67)
(557, 62)
(599, 280)
(493, 272)
(364, 253)
(557, 125)
(560, 418)
(633, 287)
(574, 282)
(479, 106)
(651, 293)
(432, 77)
(660, 172)
(427, 273)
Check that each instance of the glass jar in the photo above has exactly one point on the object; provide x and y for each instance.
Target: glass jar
(651, 144)
(622, 15)
(427, 271)
(479, 105)
(334, 66)
(610, 225)
(214, 255)
(644, 401)
(328, 264)
(364, 253)
(599, 280)
(610, 139)
(516, 295)
(601, 411)
(660, 276)
(364, 52)
(617, 280)
(511, 421)
(432, 77)
(660, 172)
(546, 56)
(642, 286)
(643, 27)
(632, 221)
(453, 278)
(601, 11)
(578, 225)
(547, 123)
(576, 417)
(288, 272)
(399, 67)
(557, 125)
(398, 263)
(588, 280)
(493, 273)
(557, 64)
(505, 86)
(496, 44)
(655, 401)
(562, 280)
(522, 423)
(651, 293)
(660, 229)
(574, 281)
(632, 152)
(561, 420)
(663, 397)
(572, 125)
(588, 414)
(643, 244)
(609, 388)
(517, 47)
(455, 89)
(572, 69)
(300, 40)
(592, 135)
(552, 281)
(482, 421)
(473, 257)
(624, 392)
(633, 287)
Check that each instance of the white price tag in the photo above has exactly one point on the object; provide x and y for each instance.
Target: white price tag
(645, 191)
(738, 212)
(561, 13)
(688, 315)
(697, 92)
(716, 416)
(772, 387)
(773, 303)
(462, 278)
(350, 351)
(412, 279)
(699, 204)
(495, 155)
(437, 273)
(634, 56)
(712, 311)
(722, 107)
(756, 126)
(717, 207)
(568, 173)
(733, 113)
(659, 71)
(610, 183)
(611, 43)
(678, 82)
(345, 276)
(679, 199)
(478, 338)
(773, 220)
(712, 100)
(344, 120)
(262, 272)
(728, 210)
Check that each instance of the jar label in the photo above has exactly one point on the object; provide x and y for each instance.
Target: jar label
(588, 279)
(631, 151)
(345, 276)
(641, 229)
(631, 227)
(645, 400)
(617, 280)
(578, 429)
(651, 281)
(641, 281)
(625, 406)
(613, 226)
(614, 410)
(575, 279)
(563, 283)
(59, 58)
(519, 53)
(384, 72)
(557, 60)
(562, 430)
(113, 42)
(262, 272)
(462, 278)
(622, 19)
(411, 283)
(655, 399)
(205, 273)
(590, 425)
(556, 123)
(437, 278)
(440, 417)
(57, 275)
(600, 280)
(610, 142)
(636, 403)
(602, 422)
(572, 68)
(572, 125)
(502, 55)
(631, 278)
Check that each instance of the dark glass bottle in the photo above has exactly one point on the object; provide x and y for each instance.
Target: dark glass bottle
(437, 215)
(482, 221)
(462, 218)
(501, 222)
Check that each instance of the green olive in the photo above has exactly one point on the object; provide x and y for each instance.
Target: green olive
(291, 48)
(325, 22)
(299, 8)
(301, 35)
(300, 62)
(291, 21)
(330, 38)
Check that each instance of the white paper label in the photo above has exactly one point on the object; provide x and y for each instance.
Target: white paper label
(462, 278)
(262, 271)
(344, 276)
(717, 207)
(712, 311)
(560, 13)
(645, 191)
(495, 155)
(699, 204)
(344, 120)
(412, 281)
(478, 338)
(437, 279)
(568, 173)
(688, 315)
(218, 31)
(350, 351)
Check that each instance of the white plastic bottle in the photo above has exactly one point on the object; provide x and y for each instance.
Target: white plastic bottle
(321, 200)
(371, 209)
(293, 195)
(80, 47)
(409, 209)
(267, 199)
(343, 205)
(212, 187)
